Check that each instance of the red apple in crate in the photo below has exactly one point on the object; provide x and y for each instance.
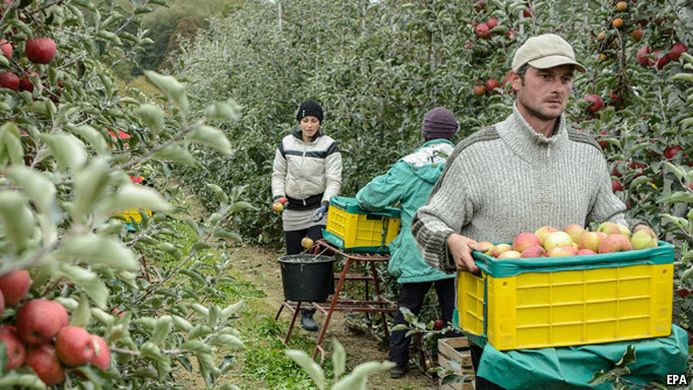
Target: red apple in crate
(544, 231)
(533, 251)
(511, 254)
(610, 228)
(557, 240)
(486, 247)
(500, 248)
(615, 243)
(524, 240)
(575, 231)
(591, 240)
(562, 251)
(643, 238)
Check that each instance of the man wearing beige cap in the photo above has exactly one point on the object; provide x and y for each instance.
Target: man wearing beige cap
(530, 170)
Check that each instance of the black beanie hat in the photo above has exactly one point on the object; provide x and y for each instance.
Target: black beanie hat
(309, 108)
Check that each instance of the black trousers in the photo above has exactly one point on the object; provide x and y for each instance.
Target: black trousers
(479, 382)
(293, 238)
(411, 296)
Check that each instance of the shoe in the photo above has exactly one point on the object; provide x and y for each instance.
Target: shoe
(308, 323)
(397, 372)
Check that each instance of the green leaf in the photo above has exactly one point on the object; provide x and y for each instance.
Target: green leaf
(169, 86)
(196, 346)
(676, 197)
(15, 380)
(152, 116)
(338, 359)
(67, 149)
(91, 185)
(233, 309)
(359, 376)
(92, 136)
(177, 154)
(94, 249)
(135, 197)
(17, 218)
(87, 280)
(36, 185)
(677, 171)
(199, 331)
(82, 315)
(11, 144)
(308, 365)
(182, 323)
(240, 206)
(162, 329)
(638, 181)
(211, 137)
(226, 339)
(229, 110)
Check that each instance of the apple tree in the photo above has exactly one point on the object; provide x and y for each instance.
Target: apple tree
(88, 297)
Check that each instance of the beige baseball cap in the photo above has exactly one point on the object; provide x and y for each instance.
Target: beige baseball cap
(546, 51)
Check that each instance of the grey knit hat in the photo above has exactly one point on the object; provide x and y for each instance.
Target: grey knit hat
(439, 123)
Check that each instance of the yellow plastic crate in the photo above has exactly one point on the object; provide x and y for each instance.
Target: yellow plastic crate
(133, 215)
(351, 228)
(567, 307)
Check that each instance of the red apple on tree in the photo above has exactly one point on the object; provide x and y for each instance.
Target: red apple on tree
(44, 361)
(616, 186)
(6, 48)
(596, 103)
(482, 31)
(643, 57)
(102, 355)
(676, 50)
(14, 349)
(74, 346)
(637, 34)
(9, 80)
(14, 286)
(479, 90)
(492, 22)
(491, 84)
(671, 151)
(40, 50)
(39, 320)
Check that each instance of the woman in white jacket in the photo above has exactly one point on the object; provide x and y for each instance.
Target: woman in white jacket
(306, 173)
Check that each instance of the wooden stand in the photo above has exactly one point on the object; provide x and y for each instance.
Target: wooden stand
(378, 303)
(454, 355)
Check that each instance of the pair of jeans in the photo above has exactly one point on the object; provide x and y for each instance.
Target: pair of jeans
(411, 296)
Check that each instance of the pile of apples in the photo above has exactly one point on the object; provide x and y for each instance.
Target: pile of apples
(41, 337)
(573, 240)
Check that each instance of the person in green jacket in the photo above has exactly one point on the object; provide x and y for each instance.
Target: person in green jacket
(408, 183)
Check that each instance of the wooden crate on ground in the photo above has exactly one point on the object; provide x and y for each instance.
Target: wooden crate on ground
(454, 355)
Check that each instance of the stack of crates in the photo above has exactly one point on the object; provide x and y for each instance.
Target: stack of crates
(352, 229)
(568, 301)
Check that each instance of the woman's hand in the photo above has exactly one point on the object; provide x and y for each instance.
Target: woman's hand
(278, 205)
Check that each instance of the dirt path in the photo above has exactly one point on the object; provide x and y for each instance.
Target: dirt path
(261, 268)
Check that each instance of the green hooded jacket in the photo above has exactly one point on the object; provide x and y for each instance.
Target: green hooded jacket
(408, 184)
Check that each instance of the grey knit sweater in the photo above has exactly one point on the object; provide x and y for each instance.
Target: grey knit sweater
(508, 178)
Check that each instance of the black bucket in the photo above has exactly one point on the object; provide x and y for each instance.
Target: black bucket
(307, 277)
